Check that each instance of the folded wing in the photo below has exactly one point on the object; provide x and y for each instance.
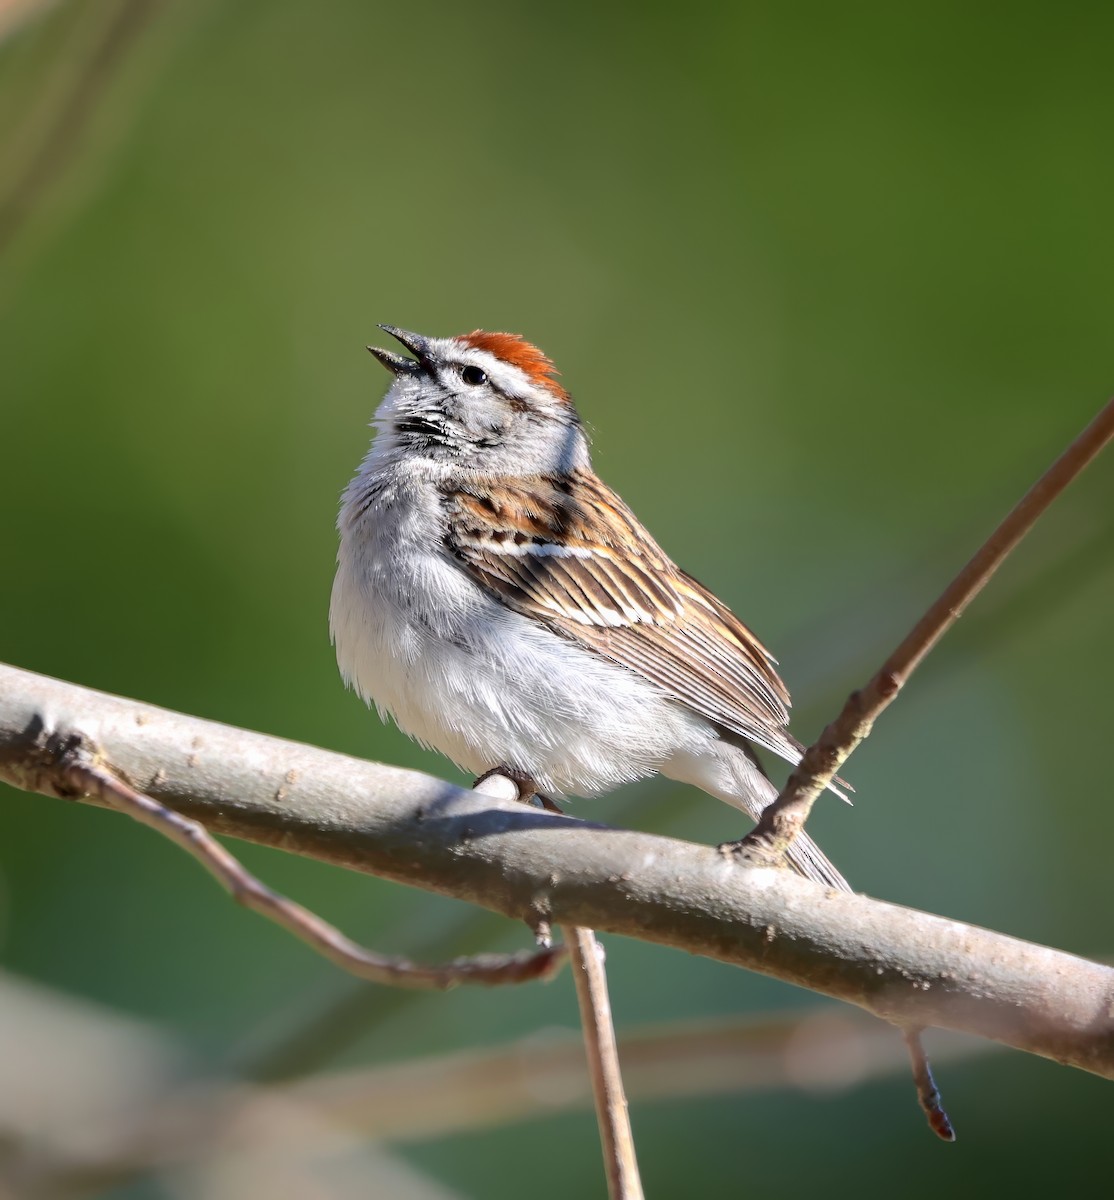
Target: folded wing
(568, 552)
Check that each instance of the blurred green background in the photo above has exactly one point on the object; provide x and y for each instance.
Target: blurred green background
(830, 285)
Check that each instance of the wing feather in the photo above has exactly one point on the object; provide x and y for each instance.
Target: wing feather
(568, 552)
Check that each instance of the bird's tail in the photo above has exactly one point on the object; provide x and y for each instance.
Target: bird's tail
(807, 859)
(753, 792)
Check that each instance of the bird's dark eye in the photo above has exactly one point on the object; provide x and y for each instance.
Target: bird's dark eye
(473, 376)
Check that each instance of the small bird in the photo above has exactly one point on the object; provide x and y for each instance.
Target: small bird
(497, 599)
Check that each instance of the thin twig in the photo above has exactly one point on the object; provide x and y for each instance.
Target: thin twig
(81, 774)
(600, 1045)
(785, 817)
(927, 1092)
(602, 1051)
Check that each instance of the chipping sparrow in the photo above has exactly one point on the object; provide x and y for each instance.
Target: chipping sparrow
(502, 603)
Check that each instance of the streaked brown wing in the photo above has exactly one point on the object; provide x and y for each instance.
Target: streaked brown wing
(567, 551)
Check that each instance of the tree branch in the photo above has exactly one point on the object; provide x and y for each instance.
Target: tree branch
(907, 967)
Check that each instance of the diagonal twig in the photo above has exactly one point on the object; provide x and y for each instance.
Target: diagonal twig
(785, 817)
(79, 773)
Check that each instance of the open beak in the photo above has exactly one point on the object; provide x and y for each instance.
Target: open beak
(398, 364)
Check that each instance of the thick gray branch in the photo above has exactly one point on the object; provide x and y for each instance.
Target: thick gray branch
(905, 966)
